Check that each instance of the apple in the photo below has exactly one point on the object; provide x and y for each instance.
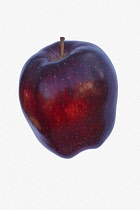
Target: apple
(68, 94)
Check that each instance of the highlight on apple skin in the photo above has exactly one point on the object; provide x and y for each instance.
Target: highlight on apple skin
(68, 94)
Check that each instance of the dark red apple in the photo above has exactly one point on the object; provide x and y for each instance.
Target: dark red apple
(68, 94)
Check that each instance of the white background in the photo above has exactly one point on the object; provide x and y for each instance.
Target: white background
(33, 178)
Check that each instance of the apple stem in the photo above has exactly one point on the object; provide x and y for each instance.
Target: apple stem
(62, 39)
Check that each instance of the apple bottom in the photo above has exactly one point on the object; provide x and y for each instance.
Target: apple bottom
(67, 141)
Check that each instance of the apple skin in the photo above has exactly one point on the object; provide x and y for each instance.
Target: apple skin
(70, 102)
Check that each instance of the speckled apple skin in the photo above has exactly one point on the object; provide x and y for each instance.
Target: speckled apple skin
(69, 103)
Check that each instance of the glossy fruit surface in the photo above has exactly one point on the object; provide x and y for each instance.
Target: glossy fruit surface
(70, 102)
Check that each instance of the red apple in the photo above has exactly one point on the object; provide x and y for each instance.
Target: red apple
(68, 94)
